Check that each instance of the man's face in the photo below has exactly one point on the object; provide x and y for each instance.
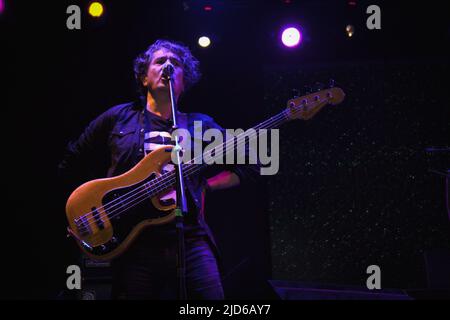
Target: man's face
(154, 80)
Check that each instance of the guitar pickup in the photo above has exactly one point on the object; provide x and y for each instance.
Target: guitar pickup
(83, 226)
(97, 218)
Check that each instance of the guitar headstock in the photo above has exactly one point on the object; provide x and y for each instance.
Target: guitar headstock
(306, 107)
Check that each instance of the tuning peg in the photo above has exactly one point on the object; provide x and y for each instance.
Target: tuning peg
(308, 89)
(319, 86)
(331, 83)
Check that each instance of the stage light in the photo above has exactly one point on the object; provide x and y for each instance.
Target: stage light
(291, 37)
(96, 9)
(208, 7)
(204, 42)
(350, 30)
(2, 6)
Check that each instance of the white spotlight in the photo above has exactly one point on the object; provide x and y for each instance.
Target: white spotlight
(204, 42)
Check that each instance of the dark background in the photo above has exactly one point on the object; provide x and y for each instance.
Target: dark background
(354, 186)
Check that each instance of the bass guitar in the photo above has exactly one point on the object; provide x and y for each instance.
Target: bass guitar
(106, 215)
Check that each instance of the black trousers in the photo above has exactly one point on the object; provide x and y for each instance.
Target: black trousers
(148, 271)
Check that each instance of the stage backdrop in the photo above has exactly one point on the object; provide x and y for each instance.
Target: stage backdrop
(354, 187)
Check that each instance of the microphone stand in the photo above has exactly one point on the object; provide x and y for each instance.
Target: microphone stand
(181, 203)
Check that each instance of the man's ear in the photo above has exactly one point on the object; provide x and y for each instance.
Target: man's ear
(144, 81)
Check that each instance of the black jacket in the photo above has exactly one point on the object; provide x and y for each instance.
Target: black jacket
(115, 139)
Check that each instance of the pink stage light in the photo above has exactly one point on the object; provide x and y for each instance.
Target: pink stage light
(291, 37)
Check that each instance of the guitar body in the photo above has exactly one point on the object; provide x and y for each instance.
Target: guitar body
(96, 210)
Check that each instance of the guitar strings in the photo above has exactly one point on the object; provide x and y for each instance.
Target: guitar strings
(188, 165)
(189, 170)
(160, 182)
(167, 180)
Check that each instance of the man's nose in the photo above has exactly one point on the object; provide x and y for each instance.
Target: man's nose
(168, 63)
(167, 69)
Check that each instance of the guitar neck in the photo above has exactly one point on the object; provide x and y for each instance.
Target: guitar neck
(195, 165)
(231, 144)
(273, 122)
(304, 108)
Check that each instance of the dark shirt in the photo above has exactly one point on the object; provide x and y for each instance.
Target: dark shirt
(115, 140)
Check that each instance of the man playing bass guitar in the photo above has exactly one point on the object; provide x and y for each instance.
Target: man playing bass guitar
(118, 140)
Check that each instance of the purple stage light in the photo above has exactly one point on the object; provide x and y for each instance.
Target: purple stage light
(291, 37)
(2, 6)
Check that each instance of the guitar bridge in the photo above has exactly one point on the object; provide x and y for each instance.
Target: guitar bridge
(83, 226)
(83, 243)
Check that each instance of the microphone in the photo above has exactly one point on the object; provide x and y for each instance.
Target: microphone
(167, 71)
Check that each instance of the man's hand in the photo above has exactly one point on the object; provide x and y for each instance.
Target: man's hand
(224, 180)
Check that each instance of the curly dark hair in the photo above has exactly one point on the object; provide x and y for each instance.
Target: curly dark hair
(191, 66)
